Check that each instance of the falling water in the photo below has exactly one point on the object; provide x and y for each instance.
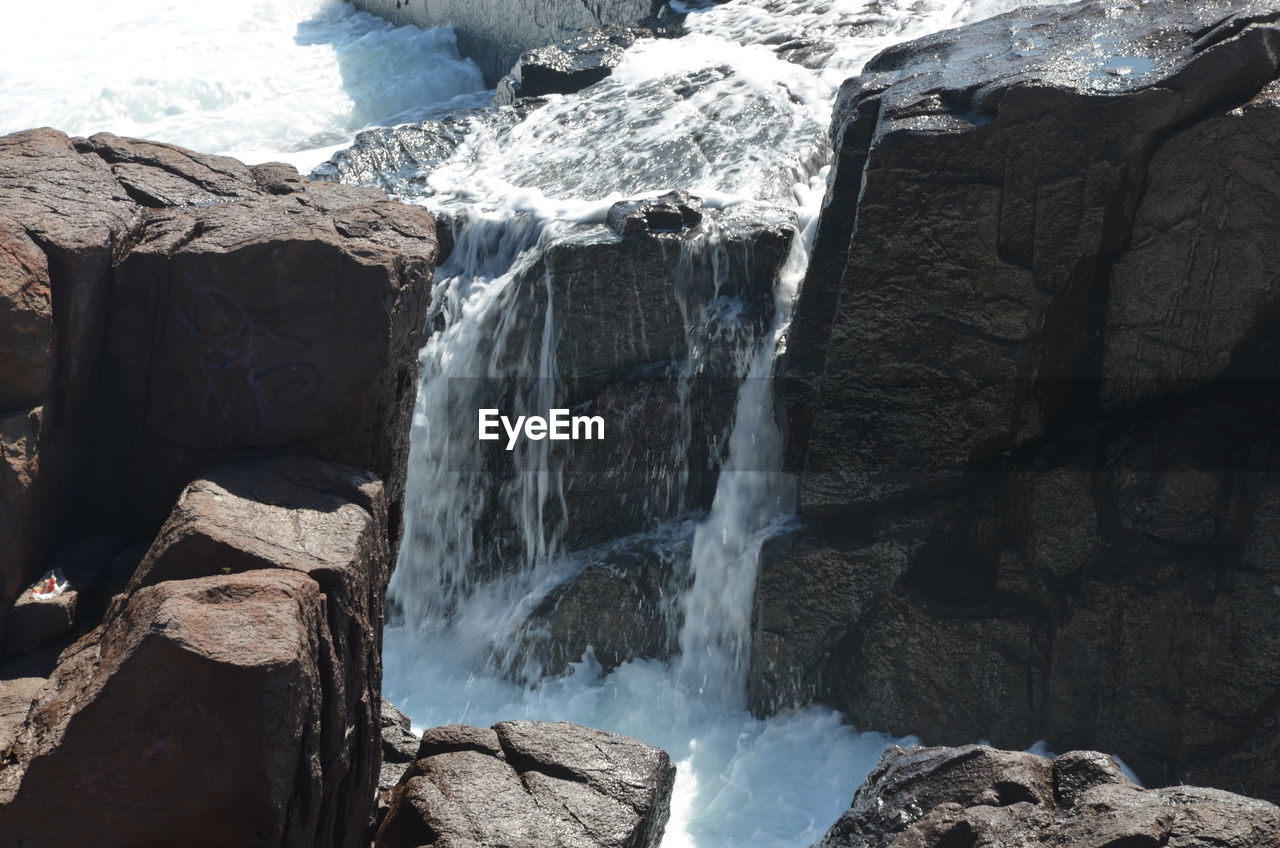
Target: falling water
(720, 113)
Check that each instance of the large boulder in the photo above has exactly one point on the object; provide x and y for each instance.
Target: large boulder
(243, 660)
(165, 312)
(947, 797)
(534, 784)
(212, 684)
(1031, 396)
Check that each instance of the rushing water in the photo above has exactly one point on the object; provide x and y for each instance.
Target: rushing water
(255, 79)
(718, 113)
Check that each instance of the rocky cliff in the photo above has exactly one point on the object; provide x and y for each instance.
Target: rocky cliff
(1031, 394)
(183, 329)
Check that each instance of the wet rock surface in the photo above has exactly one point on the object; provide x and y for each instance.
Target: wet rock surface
(634, 581)
(571, 64)
(1031, 396)
(525, 783)
(941, 797)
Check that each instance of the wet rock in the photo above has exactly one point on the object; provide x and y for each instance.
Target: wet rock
(527, 783)
(673, 212)
(634, 583)
(261, 602)
(983, 323)
(399, 157)
(941, 797)
(648, 334)
(1036, 454)
(569, 65)
(809, 52)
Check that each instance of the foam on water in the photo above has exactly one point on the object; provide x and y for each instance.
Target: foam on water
(720, 114)
(255, 79)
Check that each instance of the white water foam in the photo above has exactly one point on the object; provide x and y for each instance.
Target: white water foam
(291, 79)
(254, 79)
(719, 114)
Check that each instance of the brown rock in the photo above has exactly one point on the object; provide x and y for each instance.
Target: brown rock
(167, 312)
(34, 623)
(527, 783)
(220, 675)
(247, 647)
(24, 503)
(281, 322)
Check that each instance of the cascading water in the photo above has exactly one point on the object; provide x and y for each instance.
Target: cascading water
(719, 113)
(735, 112)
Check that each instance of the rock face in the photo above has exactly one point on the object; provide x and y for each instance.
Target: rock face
(952, 797)
(534, 784)
(171, 312)
(164, 313)
(247, 649)
(1031, 395)
(495, 32)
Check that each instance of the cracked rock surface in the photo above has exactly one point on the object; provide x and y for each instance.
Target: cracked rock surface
(979, 796)
(1031, 396)
(528, 783)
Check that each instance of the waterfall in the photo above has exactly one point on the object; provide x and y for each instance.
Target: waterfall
(688, 487)
(494, 537)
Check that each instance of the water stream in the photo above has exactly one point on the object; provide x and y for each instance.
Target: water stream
(721, 113)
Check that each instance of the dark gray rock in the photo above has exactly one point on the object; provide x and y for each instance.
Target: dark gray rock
(634, 583)
(673, 212)
(947, 797)
(996, 232)
(396, 159)
(647, 333)
(569, 65)
(1031, 395)
(527, 783)
(399, 750)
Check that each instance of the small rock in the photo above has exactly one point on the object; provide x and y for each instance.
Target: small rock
(571, 64)
(673, 212)
(34, 622)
